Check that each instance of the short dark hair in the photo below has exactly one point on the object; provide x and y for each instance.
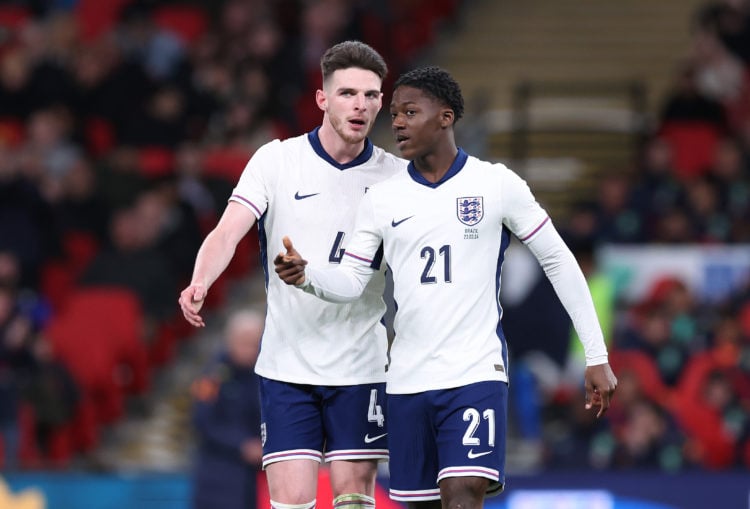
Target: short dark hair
(438, 83)
(347, 54)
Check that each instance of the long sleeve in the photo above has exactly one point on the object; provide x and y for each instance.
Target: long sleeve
(344, 283)
(565, 274)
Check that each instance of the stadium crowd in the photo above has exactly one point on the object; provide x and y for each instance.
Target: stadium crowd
(125, 124)
(682, 358)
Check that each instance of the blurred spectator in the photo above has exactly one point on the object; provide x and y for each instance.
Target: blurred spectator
(731, 173)
(79, 207)
(616, 221)
(686, 102)
(133, 260)
(655, 330)
(656, 188)
(15, 363)
(26, 222)
(162, 122)
(226, 416)
(53, 396)
(730, 21)
(648, 439)
(158, 51)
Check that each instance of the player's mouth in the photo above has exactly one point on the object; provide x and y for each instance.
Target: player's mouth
(401, 140)
(357, 123)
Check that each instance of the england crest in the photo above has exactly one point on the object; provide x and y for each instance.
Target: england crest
(470, 209)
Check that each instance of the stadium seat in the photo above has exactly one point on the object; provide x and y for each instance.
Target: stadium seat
(12, 131)
(99, 136)
(97, 17)
(13, 17)
(693, 146)
(155, 161)
(98, 335)
(225, 162)
(188, 22)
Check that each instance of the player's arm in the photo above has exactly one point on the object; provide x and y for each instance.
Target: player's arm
(213, 258)
(565, 274)
(344, 283)
(530, 222)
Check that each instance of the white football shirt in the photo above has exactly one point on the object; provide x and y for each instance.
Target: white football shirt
(444, 243)
(295, 188)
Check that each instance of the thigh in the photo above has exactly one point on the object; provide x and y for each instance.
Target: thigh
(291, 422)
(293, 481)
(354, 421)
(471, 435)
(414, 456)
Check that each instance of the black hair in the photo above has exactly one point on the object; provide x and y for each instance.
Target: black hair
(438, 83)
(347, 54)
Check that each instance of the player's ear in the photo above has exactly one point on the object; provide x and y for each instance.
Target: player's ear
(446, 118)
(321, 100)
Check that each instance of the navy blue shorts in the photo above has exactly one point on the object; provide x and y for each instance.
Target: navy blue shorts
(457, 432)
(322, 423)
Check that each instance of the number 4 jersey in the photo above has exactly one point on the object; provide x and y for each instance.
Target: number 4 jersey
(444, 243)
(296, 189)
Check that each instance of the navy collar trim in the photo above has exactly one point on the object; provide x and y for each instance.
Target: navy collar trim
(363, 157)
(456, 166)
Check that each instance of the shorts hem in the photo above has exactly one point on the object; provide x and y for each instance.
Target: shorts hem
(356, 454)
(414, 495)
(294, 454)
(469, 471)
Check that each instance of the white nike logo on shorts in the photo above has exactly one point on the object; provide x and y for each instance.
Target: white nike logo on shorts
(473, 454)
(369, 440)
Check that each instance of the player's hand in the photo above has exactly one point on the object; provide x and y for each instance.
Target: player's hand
(191, 301)
(290, 266)
(600, 387)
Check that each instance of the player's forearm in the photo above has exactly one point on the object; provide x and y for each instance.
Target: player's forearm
(570, 285)
(213, 258)
(342, 284)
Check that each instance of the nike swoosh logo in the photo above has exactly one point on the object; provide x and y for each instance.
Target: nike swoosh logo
(298, 196)
(369, 440)
(395, 223)
(473, 454)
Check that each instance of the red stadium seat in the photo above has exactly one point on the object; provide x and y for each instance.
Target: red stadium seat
(188, 22)
(155, 161)
(693, 146)
(97, 17)
(97, 335)
(225, 162)
(99, 136)
(12, 132)
(14, 16)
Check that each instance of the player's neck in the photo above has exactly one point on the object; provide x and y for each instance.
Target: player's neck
(339, 149)
(435, 164)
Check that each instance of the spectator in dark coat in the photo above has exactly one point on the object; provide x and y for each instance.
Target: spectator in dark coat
(226, 416)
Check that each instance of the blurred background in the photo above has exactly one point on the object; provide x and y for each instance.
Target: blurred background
(124, 125)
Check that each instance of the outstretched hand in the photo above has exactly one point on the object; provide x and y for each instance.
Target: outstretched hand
(600, 387)
(290, 266)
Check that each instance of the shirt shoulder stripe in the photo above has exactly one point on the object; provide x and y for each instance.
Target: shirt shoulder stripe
(239, 198)
(527, 237)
